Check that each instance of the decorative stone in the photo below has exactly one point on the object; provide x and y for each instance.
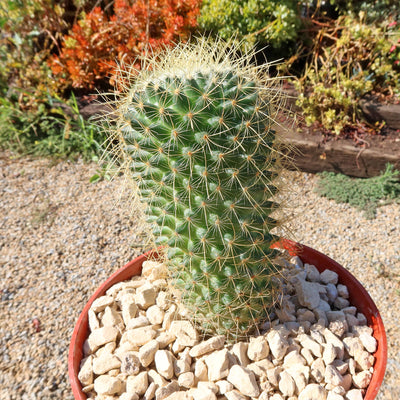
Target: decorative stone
(148, 351)
(310, 344)
(85, 375)
(217, 365)
(333, 376)
(112, 318)
(354, 394)
(276, 396)
(224, 386)
(258, 348)
(215, 343)
(240, 351)
(339, 328)
(353, 345)
(337, 343)
(347, 382)
(155, 377)
(307, 355)
(163, 300)
(137, 322)
(261, 367)
(154, 270)
(129, 311)
(107, 385)
(293, 358)
(362, 379)
(341, 303)
(150, 392)
(307, 292)
(278, 344)
(155, 315)
(169, 316)
(244, 380)
(329, 353)
(130, 364)
(165, 338)
(273, 376)
(341, 366)
(200, 370)
(139, 336)
(106, 362)
(343, 291)
(312, 273)
(304, 314)
(181, 395)
(313, 391)
(145, 296)
(364, 359)
(165, 391)
(208, 386)
(334, 396)
(235, 395)
(331, 292)
(286, 384)
(181, 366)
(93, 321)
(164, 362)
(101, 303)
(318, 370)
(101, 336)
(329, 276)
(137, 384)
(299, 377)
(286, 310)
(369, 342)
(202, 394)
(128, 396)
(185, 332)
(186, 380)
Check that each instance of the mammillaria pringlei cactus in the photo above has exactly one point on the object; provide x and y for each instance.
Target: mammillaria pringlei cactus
(195, 127)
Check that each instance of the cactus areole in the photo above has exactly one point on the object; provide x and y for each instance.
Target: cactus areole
(195, 128)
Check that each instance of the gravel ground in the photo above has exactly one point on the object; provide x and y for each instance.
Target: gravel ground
(61, 236)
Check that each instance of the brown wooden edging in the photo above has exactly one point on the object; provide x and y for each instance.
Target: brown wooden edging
(310, 154)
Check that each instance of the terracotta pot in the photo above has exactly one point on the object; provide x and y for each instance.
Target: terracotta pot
(358, 298)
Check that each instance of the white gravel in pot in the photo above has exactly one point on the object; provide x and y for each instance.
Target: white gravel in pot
(315, 347)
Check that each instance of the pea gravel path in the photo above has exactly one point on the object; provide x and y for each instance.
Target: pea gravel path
(61, 236)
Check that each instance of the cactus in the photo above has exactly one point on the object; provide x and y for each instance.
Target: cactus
(195, 126)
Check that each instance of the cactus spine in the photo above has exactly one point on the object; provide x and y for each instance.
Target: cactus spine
(195, 127)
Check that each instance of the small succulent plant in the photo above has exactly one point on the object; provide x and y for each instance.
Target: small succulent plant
(195, 127)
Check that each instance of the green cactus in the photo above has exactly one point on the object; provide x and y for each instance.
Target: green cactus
(196, 130)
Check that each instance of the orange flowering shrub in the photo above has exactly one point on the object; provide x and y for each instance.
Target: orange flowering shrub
(98, 43)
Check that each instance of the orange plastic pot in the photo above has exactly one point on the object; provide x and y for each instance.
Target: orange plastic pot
(358, 298)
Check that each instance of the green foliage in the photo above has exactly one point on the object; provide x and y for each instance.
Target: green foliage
(55, 128)
(196, 131)
(270, 22)
(350, 58)
(375, 10)
(33, 118)
(364, 194)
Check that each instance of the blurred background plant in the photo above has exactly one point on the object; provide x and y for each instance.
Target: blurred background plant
(51, 51)
(349, 59)
(98, 44)
(263, 22)
(344, 58)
